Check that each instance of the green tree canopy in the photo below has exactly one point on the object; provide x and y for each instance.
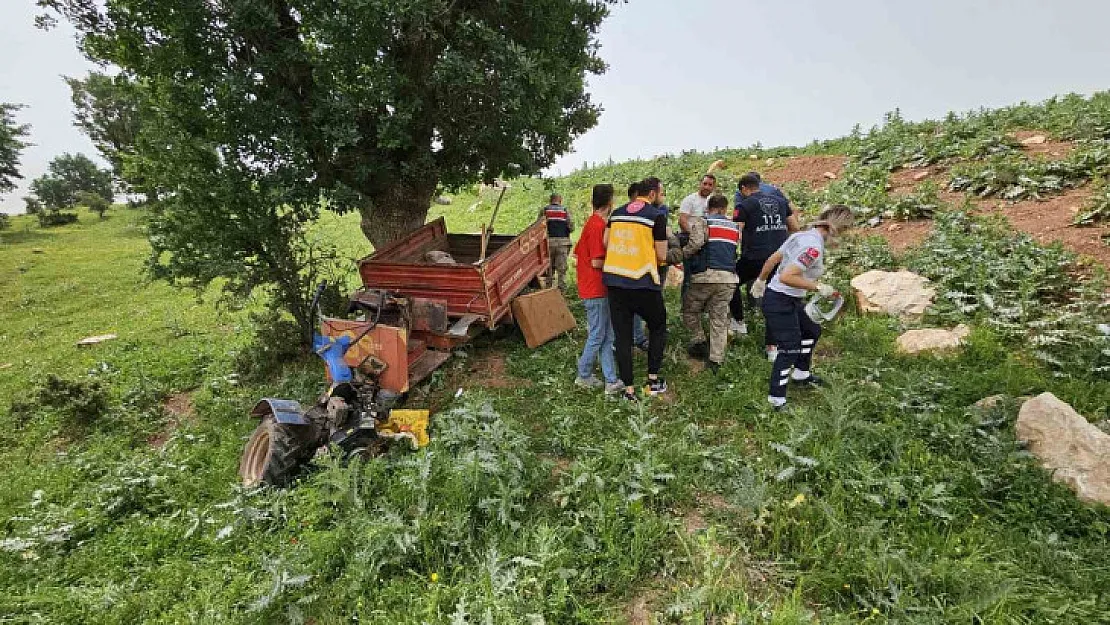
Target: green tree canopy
(11, 146)
(369, 106)
(67, 176)
(106, 108)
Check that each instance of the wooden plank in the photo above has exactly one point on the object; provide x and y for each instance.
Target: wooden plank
(542, 316)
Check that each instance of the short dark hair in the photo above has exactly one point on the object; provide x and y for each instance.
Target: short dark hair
(633, 190)
(749, 181)
(602, 195)
(555, 196)
(649, 184)
(717, 201)
(710, 176)
(758, 178)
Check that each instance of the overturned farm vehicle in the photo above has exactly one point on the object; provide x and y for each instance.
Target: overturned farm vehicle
(423, 295)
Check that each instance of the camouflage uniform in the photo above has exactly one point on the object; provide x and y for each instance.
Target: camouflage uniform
(710, 291)
(559, 227)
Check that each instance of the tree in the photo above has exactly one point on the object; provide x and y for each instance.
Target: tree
(106, 108)
(11, 146)
(94, 202)
(369, 106)
(66, 176)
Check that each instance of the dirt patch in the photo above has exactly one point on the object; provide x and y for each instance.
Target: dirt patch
(811, 169)
(489, 371)
(1051, 220)
(637, 611)
(693, 522)
(1050, 150)
(902, 235)
(907, 179)
(179, 410)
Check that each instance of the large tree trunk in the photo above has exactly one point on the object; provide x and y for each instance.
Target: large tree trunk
(394, 213)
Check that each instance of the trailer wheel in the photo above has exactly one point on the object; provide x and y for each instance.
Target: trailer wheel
(276, 452)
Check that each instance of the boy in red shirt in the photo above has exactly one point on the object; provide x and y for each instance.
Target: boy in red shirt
(590, 254)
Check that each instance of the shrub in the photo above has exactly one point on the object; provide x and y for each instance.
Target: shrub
(79, 402)
(51, 217)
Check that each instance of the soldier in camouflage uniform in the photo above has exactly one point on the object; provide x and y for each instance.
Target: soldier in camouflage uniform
(710, 258)
(559, 227)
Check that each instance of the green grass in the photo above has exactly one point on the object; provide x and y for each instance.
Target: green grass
(885, 499)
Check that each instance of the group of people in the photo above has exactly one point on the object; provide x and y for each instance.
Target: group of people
(759, 252)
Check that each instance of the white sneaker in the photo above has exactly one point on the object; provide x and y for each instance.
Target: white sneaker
(736, 328)
(614, 388)
(590, 382)
(772, 354)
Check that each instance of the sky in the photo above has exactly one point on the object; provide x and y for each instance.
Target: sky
(702, 74)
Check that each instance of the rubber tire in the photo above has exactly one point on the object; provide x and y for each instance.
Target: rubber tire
(275, 453)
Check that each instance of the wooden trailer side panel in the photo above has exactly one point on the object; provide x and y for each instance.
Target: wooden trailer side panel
(511, 268)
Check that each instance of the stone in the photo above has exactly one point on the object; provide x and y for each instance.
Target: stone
(1034, 140)
(1075, 451)
(443, 200)
(717, 164)
(770, 162)
(990, 402)
(93, 340)
(754, 157)
(829, 175)
(900, 293)
(874, 222)
(894, 227)
(932, 339)
(674, 278)
(921, 176)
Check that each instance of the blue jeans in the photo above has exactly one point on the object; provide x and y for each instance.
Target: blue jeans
(599, 341)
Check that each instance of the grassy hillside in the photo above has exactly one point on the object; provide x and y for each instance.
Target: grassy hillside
(887, 498)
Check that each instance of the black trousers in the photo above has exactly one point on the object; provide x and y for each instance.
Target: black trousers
(795, 334)
(748, 269)
(624, 304)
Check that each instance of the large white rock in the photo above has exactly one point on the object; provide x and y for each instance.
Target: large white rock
(1077, 452)
(932, 339)
(901, 293)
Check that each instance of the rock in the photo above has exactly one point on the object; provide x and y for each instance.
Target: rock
(874, 222)
(894, 227)
(93, 340)
(932, 339)
(6, 365)
(674, 278)
(770, 162)
(717, 164)
(921, 175)
(829, 175)
(1034, 140)
(443, 200)
(990, 402)
(754, 157)
(1077, 452)
(901, 293)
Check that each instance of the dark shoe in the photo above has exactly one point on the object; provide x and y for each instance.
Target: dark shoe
(657, 386)
(713, 366)
(698, 350)
(629, 396)
(812, 380)
(642, 346)
(780, 408)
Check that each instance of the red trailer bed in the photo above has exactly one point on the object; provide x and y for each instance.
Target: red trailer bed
(474, 286)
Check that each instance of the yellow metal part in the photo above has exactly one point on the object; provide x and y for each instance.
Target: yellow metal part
(413, 421)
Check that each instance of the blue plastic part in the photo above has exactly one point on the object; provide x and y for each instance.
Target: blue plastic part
(332, 351)
(285, 411)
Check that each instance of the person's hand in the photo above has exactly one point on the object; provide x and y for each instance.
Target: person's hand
(759, 287)
(825, 290)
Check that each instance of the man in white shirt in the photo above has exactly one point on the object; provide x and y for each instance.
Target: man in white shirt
(694, 204)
